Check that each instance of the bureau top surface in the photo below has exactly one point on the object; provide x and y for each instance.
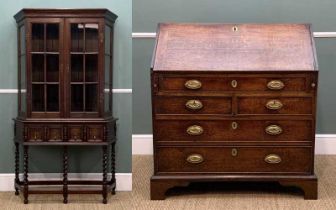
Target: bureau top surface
(234, 47)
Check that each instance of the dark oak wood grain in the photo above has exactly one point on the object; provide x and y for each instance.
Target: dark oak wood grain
(257, 86)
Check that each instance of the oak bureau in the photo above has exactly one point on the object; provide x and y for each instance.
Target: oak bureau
(234, 102)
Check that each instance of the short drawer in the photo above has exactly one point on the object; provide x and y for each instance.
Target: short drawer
(76, 133)
(233, 130)
(232, 82)
(193, 105)
(35, 133)
(95, 133)
(275, 105)
(54, 133)
(234, 159)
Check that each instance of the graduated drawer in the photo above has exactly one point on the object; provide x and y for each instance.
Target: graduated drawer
(231, 82)
(233, 130)
(193, 105)
(274, 105)
(234, 159)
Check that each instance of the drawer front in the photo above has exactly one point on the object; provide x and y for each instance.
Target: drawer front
(54, 133)
(231, 83)
(95, 133)
(36, 133)
(276, 105)
(234, 159)
(233, 130)
(193, 105)
(76, 133)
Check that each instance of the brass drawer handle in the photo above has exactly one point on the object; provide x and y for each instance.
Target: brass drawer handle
(194, 104)
(195, 130)
(234, 125)
(195, 158)
(234, 83)
(273, 130)
(275, 85)
(274, 104)
(193, 84)
(273, 159)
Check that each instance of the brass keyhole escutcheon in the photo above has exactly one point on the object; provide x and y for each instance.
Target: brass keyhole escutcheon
(234, 125)
(55, 137)
(35, 136)
(234, 152)
(75, 137)
(234, 83)
(313, 85)
(94, 137)
(235, 28)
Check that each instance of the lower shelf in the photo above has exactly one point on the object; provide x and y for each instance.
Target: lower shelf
(72, 187)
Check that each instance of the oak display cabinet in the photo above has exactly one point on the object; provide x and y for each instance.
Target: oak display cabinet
(65, 65)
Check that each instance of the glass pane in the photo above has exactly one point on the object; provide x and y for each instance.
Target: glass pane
(38, 68)
(37, 97)
(107, 91)
(77, 37)
(37, 37)
(91, 98)
(52, 37)
(76, 68)
(52, 68)
(91, 37)
(23, 88)
(22, 40)
(77, 98)
(91, 68)
(52, 98)
(107, 39)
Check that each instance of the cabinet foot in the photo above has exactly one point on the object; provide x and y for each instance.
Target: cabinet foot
(17, 192)
(309, 187)
(158, 188)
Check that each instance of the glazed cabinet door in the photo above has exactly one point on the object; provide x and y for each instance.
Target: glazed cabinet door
(84, 58)
(45, 66)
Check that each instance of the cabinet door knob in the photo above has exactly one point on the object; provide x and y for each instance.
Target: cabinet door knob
(274, 104)
(195, 130)
(273, 159)
(194, 104)
(193, 84)
(195, 158)
(273, 130)
(275, 85)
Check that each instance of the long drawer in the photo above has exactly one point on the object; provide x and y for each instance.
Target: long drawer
(233, 130)
(234, 160)
(61, 133)
(232, 82)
